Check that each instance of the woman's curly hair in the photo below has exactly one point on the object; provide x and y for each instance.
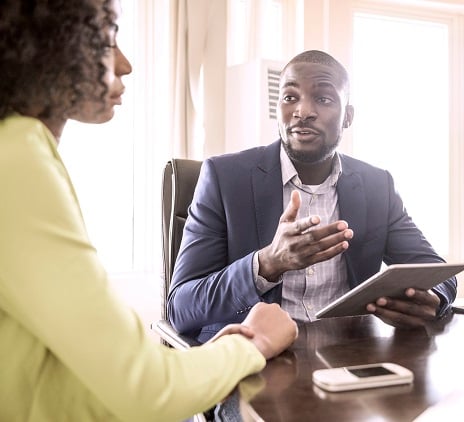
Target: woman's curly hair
(51, 54)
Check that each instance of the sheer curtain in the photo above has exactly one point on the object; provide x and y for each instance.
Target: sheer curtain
(206, 37)
(198, 51)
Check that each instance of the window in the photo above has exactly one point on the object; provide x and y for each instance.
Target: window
(256, 29)
(100, 160)
(401, 97)
(116, 167)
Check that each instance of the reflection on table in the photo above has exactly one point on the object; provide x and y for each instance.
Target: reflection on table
(432, 353)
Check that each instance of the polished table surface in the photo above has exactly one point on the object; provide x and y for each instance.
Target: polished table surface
(434, 354)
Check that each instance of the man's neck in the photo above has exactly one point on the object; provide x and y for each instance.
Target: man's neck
(314, 174)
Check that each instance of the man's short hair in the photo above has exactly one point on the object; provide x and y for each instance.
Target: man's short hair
(320, 57)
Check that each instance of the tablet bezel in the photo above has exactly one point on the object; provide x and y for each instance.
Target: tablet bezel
(390, 282)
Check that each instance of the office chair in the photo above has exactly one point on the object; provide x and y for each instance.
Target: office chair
(179, 179)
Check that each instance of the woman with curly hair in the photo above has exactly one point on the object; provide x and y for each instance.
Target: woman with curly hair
(69, 349)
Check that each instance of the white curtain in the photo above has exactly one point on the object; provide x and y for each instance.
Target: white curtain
(198, 46)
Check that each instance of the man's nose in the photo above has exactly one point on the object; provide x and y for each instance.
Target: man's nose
(305, 110)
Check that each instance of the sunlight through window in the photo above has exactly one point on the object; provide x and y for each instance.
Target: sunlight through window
(99, 159)
(401, 98)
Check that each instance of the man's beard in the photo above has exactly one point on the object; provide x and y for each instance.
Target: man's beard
(306, 157)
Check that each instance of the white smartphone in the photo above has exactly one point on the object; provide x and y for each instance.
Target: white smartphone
(362, 376)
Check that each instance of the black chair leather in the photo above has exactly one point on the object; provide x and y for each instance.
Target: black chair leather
(179, 179)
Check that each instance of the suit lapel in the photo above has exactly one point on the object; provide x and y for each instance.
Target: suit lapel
(267, 192)
(352, 200)
(268, 195)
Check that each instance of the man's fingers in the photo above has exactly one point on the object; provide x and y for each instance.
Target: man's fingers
(290, 213)
(421, 306)
(303, 225)
(394, 318)
(325, 254)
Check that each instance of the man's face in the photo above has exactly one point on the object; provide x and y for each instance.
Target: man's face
(312, 111)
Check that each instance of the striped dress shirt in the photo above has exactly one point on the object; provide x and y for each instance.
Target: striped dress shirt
(306, 291)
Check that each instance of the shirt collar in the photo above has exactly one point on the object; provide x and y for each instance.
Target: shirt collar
(289, 172)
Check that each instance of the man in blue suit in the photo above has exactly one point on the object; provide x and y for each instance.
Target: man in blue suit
(296, 222)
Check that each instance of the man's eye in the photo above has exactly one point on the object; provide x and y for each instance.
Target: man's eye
(324, 100)
(288, 98)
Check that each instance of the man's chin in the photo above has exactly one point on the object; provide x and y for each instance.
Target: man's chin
(309, 153)
(308, 157)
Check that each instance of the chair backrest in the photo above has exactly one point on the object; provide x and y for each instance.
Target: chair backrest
(180, 177)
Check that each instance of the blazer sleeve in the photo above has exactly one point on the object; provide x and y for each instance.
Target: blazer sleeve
(384, 231)
(406, 243)
(54, 290)
(209, 286)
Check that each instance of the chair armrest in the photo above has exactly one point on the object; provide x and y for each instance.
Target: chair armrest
(171, 337)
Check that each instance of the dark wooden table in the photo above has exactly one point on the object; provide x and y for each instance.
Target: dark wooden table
(435, 355)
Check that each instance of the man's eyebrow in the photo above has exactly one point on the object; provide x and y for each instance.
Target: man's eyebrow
(325, 84)
(319, 84)
(293, 84)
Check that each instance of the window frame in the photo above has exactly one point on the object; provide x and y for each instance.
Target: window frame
(451, 15)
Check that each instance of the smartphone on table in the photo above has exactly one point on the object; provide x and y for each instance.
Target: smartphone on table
(362, 376)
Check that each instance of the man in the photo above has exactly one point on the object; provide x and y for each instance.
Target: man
(342, 219)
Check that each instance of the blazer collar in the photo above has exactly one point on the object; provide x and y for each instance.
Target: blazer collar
(267, 192)
(352, 201)
(269, 157)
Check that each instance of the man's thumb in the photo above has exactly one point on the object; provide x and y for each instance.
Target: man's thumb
(290, 213)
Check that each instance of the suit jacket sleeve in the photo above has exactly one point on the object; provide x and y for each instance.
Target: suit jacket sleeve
(407, 242)
(384, 232)
(213, 276)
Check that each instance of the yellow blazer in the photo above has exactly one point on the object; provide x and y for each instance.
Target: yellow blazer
(69, 349)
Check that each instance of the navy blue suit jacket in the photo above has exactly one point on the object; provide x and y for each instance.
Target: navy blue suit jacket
(235, 211)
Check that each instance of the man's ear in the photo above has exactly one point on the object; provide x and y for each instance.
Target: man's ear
(349, 115)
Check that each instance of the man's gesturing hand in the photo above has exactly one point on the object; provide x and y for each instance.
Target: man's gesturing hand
(298, 243)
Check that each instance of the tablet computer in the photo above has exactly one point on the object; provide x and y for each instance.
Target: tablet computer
(390, 282)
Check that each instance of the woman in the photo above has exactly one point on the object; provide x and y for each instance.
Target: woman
(69, 350)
